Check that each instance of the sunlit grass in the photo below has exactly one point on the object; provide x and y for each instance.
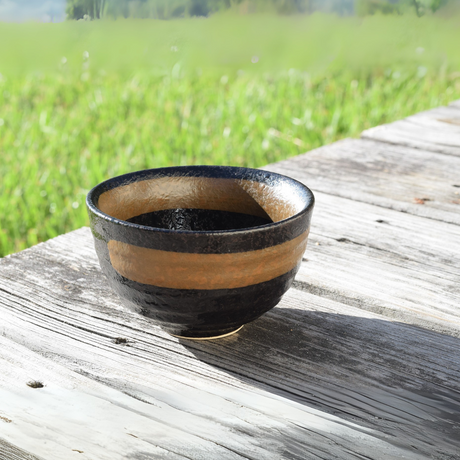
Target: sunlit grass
(90, 117)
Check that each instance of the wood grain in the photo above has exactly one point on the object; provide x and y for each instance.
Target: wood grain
(402, 266)
(10, 452)
(436, 130)
(408, 180)
(314, 378)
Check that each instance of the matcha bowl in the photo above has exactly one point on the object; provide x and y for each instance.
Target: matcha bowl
(201, 250)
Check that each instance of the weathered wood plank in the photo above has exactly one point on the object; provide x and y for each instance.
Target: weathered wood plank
(408, 180)
(313, 378)
(455, 103)
(131, 404)
(402, 266)
(437, 130)
(145, 413)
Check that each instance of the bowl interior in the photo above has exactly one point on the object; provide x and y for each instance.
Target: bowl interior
(202, 198)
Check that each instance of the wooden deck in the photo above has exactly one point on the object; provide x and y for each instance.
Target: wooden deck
(360, 360)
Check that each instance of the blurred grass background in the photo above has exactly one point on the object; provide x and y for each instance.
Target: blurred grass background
(84, 101)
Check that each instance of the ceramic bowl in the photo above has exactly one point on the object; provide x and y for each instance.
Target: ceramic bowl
(202, 250)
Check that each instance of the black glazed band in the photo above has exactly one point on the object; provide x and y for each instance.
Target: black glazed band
(195, 312)
(215, 172)
(201, 242)
(109, 228)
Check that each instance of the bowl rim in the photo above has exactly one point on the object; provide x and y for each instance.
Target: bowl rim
(235, 169)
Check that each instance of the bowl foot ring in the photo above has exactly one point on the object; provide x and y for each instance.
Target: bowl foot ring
(209, 338)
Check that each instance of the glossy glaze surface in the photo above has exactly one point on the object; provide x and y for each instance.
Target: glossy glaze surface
(220, 248)
(199, 220)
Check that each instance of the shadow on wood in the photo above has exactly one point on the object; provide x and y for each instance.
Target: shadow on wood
(375, 373)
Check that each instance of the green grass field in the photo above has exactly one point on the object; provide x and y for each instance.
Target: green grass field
(78, 116)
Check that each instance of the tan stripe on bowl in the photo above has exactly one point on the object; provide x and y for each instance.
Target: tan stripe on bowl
(247, 197)
(205, 271)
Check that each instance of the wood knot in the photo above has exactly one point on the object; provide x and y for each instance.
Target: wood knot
(35, 384)
(120, 340)
(421, 200)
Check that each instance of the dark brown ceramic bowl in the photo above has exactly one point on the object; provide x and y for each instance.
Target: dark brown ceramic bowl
(202, 250)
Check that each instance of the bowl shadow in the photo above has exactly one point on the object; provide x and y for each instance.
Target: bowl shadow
(399, 379)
